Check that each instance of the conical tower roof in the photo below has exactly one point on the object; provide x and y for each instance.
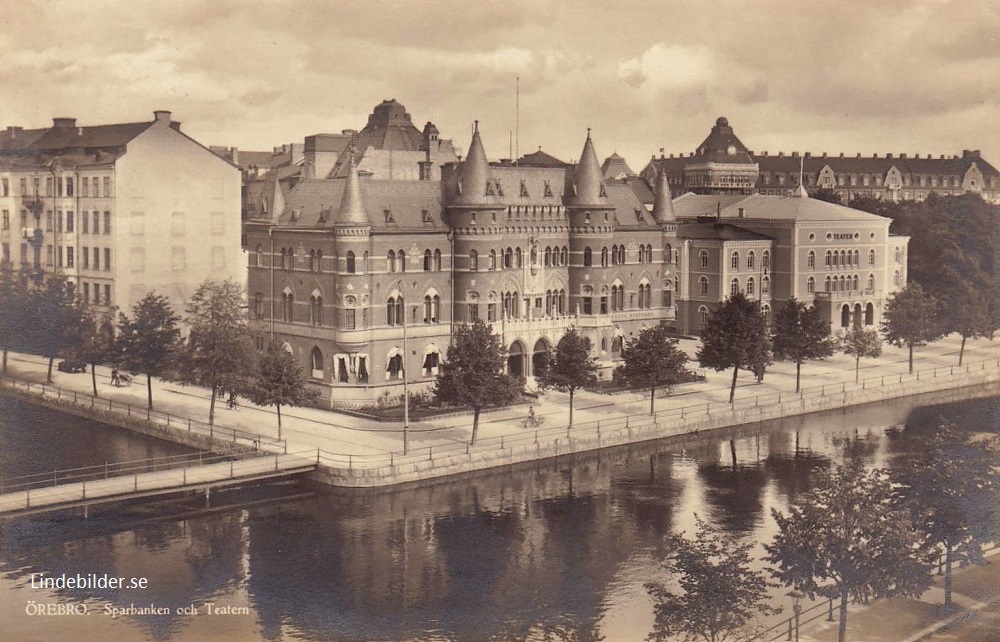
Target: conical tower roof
(588, 184)
(663, 205)
(474, 176)
(352, 208)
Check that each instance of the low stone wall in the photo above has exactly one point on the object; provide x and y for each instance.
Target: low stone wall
(631, 430)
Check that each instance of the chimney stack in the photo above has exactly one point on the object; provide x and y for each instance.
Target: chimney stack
(161, 115)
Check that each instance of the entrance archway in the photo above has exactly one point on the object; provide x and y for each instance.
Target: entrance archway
(540, 357)
(845, 316)
(515, 360)
(869, 314)
(857, 315)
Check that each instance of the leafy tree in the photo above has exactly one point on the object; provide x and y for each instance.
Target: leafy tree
(54, 319)
(149, 339)
(861, 342)
(950, 483)
(801, 334)
(570, 367)
(827, 194)
(98, 343)
(219, 353)
(736, 336)
(279, 381)
(910, 319)
(472, 373)
(847, 538)
(966, 311)
(722, 596)
(15, 302)
(653, 360)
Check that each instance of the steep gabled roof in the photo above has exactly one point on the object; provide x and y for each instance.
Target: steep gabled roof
(541, 159)
(406, 201)
(614, 166)
(720, 142)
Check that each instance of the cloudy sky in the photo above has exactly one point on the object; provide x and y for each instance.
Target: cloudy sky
(900, 76)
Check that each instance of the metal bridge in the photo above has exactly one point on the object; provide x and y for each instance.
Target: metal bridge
(114, 482)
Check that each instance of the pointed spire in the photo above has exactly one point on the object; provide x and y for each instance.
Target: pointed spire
(352, 207)
(587, 182)
(663, 205)
(474, 174)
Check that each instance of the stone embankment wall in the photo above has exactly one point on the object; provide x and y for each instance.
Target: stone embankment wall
(941, 385)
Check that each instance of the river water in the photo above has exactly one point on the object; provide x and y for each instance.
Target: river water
(554, 551)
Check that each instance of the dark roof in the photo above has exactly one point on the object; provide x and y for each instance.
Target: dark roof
(405, 200)
(716, 148)
(61, 138)
(15, 139)
(389, 127)
(615, 165)
(540, 159)
(714, 230)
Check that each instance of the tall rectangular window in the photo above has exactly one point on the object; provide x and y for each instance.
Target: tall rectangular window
(59, 256)
(48, 255)
(48, 186)
(85, 258)
(107, 259)
(84, 223)
(473, 312)
(24, 187)
(97, 258)
(59, 221)
(107, 294)
(86, 293)
(84, 186)
(69, 221)
(6, 253)
(69, 186)
(5, 225)
(69, 257)
(6, 187)
(48, 221)
(107, 187)
(107, 222)
(59, 187)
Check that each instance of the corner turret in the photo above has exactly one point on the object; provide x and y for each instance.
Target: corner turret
(588, 184)
(475, 180)
(352, 210)
(663, 205)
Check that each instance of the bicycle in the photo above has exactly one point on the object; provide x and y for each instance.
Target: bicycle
(531, 421)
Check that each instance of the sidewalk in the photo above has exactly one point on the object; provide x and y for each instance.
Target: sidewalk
(306, 428)
(976, 591)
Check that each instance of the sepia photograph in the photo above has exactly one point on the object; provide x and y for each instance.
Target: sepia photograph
(499, 321)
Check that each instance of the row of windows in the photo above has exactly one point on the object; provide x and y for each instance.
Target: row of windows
(703, 314)
(735, 287)
(846, 283)
(734, 259)
(61, 186)
(86, 262)
(96, 289)
(843, 258)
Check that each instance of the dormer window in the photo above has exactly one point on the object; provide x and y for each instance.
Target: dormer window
(639, 215)
(524, 189)
(548, 189)
(388, 215)
(499, 189)
(426, 216)
(489, 189)
(602, 192)
(731, 150)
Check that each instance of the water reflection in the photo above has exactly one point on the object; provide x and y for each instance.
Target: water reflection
(555, 551)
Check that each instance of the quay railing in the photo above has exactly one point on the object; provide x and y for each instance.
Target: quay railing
(222, 435)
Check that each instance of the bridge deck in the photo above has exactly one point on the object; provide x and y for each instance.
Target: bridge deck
(193, 477)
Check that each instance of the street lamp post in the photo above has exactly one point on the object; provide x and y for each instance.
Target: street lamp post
(406, 385)
(797, 609)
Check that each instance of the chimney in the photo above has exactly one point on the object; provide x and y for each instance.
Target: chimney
(841, 154)
(781, 154)
(175, 124)
(824, 154)
(888, 156)
(902, 156)
(970, 153)
(64, 123)
(764, 154)
(808, 154)
(161, 116)
(234, 155)
(859, 154)
(795, 154)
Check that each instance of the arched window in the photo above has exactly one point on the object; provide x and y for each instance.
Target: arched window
(750, 286)
(432, 361)
(517, 258)
(437, 260)
(428, 257)
(256, 256)
(614, 255)
(318, 261)
(811, 260)
(810, 285)
(402, 261)
(390, 261)
(869, 314)
(473, 260)
(827, 261)
(394, 366)
(616, 346)
(836, 284)
(855, 284)
(350, 313)
(316, 308)
(288, 306)
(508, 258)
(765, 259)
(766, 312)
(428, 309)
(316, 363)
(703, 285)
(493, 259)
(843, 258)
(765, 285)
(734, 287)
(750, 261)
(734, 261)
(564, 256)
(871, 283)
(703, 316)
(871, 257)
(604, 257)
(351, 263)
(826, 284)
(703, 255)
(258, 305)
(895, 278)
(547, 260)
(649, 254)
(668, 253)
(857, 258)
(836, 259)
(587, 257)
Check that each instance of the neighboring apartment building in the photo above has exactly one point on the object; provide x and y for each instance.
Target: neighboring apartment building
(120, 210)
(722, 164)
